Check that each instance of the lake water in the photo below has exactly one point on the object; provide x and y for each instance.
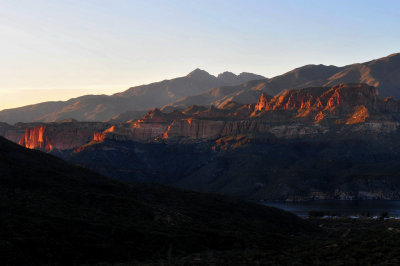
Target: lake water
(343, 208)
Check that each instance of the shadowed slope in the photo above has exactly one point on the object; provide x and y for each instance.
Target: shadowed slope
(53, 212)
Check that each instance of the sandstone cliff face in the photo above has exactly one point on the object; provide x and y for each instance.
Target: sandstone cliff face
(194, 128)
(137, 131)
(260, 128)
(389, 105)
(151, 125)
(262, 102)
(60, 136)
(310, 112)
(317, 104)
(301, 113)
(16, 132)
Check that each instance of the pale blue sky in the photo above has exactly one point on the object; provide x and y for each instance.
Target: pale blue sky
(53, 50)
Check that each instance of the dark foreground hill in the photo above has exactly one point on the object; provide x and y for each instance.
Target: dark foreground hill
(54, 213)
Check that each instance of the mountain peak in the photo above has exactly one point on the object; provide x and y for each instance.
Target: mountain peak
(250, 76)
(230, 78)
(393, 55)
(199, 74)
(226, 74)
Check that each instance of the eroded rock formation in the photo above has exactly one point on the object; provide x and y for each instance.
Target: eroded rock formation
(310, 112)
(60, 136)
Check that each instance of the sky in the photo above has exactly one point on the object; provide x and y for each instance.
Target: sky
(56, 50)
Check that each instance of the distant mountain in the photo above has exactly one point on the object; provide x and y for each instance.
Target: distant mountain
(144, 97)
(52, 211)
(245, 93)
(231, 78)
(201, 88)
(383, 73)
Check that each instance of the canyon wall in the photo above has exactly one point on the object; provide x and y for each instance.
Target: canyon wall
(343, 109)
(60, 136)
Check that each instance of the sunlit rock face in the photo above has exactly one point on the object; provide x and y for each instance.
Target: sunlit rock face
(153, 124)
(135, 131)
(300, 113)
(343, 109)
(34, 139)
(262, 102)
(60, 136)
(320, 103)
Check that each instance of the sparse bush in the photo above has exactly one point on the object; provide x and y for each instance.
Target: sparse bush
(314, 213)
(383, 215)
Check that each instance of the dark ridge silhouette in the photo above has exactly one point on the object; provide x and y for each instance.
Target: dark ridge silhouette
(55, 213)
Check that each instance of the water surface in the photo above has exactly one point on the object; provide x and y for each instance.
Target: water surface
(341, 207)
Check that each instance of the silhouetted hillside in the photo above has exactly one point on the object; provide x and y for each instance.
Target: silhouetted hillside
(56, 213)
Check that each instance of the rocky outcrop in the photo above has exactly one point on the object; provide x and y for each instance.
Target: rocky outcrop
(389, 105)
(193, 109)
(346, 103)
(153, 124)
(321, 98)
(307, 113)
(157, 116)
(14, 133)
(60, 136)
(136, 131)
(260, 129)
(262, 102)
(194, 128)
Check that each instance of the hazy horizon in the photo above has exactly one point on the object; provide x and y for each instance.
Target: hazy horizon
(64, 49)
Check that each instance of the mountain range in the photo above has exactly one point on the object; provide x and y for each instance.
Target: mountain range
(201, 88)
(382, 73)
(144, 97)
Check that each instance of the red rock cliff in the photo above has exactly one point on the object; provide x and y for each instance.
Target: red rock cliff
(319, 103)
(194, 128)
(60, 136)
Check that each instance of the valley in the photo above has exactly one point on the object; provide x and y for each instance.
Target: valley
(125, 140)
(318, 143)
